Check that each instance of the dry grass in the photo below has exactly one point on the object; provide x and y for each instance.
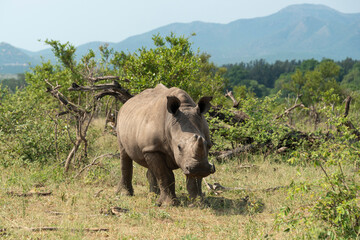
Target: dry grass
(75, 204)
(84, 202)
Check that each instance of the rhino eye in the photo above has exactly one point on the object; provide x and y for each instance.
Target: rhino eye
(179, 147)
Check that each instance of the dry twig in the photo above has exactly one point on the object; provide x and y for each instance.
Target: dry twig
(287, 111)
(29, 194)
(94, 162)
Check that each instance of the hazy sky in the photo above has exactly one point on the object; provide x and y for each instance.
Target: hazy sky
(24, 22)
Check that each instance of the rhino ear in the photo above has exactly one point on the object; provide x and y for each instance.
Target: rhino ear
(204, 104)
(173, 104)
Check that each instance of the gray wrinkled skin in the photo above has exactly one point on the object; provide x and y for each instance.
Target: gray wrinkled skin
(164, 129)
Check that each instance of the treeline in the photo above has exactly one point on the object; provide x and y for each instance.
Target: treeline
(259, 76)
(13, 82)
(264, 78)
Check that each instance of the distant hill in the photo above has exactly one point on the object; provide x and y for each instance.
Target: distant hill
(13, 60)
(295, 32)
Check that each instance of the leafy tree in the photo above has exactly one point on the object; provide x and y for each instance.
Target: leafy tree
(309, 65)
(283, 84)
(352, 79)
(311, 84)
(346, 66)
(258, 75)
(14, 83)
(173, 63)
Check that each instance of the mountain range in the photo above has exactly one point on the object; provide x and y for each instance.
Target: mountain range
(296, 32)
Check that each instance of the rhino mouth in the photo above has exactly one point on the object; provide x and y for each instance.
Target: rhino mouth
(200, 171)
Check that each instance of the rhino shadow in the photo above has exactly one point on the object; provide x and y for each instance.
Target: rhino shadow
(225, 206)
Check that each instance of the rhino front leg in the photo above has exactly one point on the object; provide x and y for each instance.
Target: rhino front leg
(193, 186)
(152, 182)
(125, 185)
(164, 176)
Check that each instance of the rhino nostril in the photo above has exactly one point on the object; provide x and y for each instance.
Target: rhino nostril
(187, 170)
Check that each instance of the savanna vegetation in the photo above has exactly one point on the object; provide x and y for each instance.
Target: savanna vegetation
(286, 147)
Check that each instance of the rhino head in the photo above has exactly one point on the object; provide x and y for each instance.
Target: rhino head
(189, 136)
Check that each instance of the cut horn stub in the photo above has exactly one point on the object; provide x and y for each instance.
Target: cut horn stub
(199, 146)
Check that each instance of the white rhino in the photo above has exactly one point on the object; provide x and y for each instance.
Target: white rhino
(163, 129)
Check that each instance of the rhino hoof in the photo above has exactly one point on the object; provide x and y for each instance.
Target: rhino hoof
(168, 202)
(125, 192)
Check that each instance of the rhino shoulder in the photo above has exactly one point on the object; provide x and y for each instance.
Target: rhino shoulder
(183, 96)
(160, 87)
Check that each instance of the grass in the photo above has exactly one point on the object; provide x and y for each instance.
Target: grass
(83, 202)
(77, 204)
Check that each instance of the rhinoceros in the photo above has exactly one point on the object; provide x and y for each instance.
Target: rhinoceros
(163, 129)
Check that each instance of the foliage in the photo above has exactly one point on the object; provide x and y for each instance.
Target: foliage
(259, 76)
(27, 131)
(265, 78)
(172, 63)
(307, 85)
(334, 208)
(14, 83)
(260, 128)
(352, 79)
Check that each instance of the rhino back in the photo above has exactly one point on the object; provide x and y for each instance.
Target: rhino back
(142, 121)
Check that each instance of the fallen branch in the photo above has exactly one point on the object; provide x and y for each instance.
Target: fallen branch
(237, 116)
(40, 229)
(231, 153)
(29, 194)
(217, 187)
(97, 194)
(117, 211)
(57, 213)
(245, 166)
(281, 150)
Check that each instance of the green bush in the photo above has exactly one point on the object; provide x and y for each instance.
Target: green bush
(27, 132)
(335, 206)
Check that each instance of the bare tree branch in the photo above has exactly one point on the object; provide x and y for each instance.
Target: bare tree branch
(63, 100)
(347, 106)
(231, 96)
(97, 79)
(113, 89)
(287, 111)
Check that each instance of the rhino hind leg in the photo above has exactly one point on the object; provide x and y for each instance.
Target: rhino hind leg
(193, 186)
(152, 182)
(125, 186)
(165, 178)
